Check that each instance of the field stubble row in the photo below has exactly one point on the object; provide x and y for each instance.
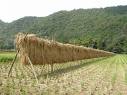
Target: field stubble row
(99, 76)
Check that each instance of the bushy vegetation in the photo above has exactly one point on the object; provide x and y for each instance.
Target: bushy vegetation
(104, 28)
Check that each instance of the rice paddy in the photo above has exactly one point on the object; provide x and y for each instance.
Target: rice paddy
(97, 76)
(6, 57)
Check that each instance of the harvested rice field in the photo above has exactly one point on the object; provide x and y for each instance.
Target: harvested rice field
(98, 76)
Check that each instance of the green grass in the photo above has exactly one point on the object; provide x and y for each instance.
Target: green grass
(6, 56)
(124, 61)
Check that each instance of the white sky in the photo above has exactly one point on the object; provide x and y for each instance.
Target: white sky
(14, 9)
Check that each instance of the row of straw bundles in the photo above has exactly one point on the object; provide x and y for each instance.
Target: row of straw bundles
(42, 51)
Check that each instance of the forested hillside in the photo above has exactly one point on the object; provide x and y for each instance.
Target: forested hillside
(104, 28)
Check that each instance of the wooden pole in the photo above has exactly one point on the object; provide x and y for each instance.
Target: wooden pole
(33, 70)
(15, 59)
(13, 63)
(51, 67)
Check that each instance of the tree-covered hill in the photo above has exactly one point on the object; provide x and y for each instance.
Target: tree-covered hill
(103, 28)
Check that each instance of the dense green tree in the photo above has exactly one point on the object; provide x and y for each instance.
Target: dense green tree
(102, 28)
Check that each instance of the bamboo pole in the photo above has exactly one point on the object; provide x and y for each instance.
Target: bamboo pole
(13, 63)
(33, 70)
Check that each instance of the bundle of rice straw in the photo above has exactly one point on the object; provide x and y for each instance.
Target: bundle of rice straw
(42, 51)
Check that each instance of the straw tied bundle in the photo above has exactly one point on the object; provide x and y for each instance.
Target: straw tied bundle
(42, 51)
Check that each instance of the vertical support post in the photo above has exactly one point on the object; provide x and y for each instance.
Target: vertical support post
(33, 70)
(13, 62)
(51, 67)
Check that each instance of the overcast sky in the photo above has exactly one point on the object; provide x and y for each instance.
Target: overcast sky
(14, 9)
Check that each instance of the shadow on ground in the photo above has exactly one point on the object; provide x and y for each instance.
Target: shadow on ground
(70, 68)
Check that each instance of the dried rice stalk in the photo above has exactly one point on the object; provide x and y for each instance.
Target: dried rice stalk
(43, 51)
